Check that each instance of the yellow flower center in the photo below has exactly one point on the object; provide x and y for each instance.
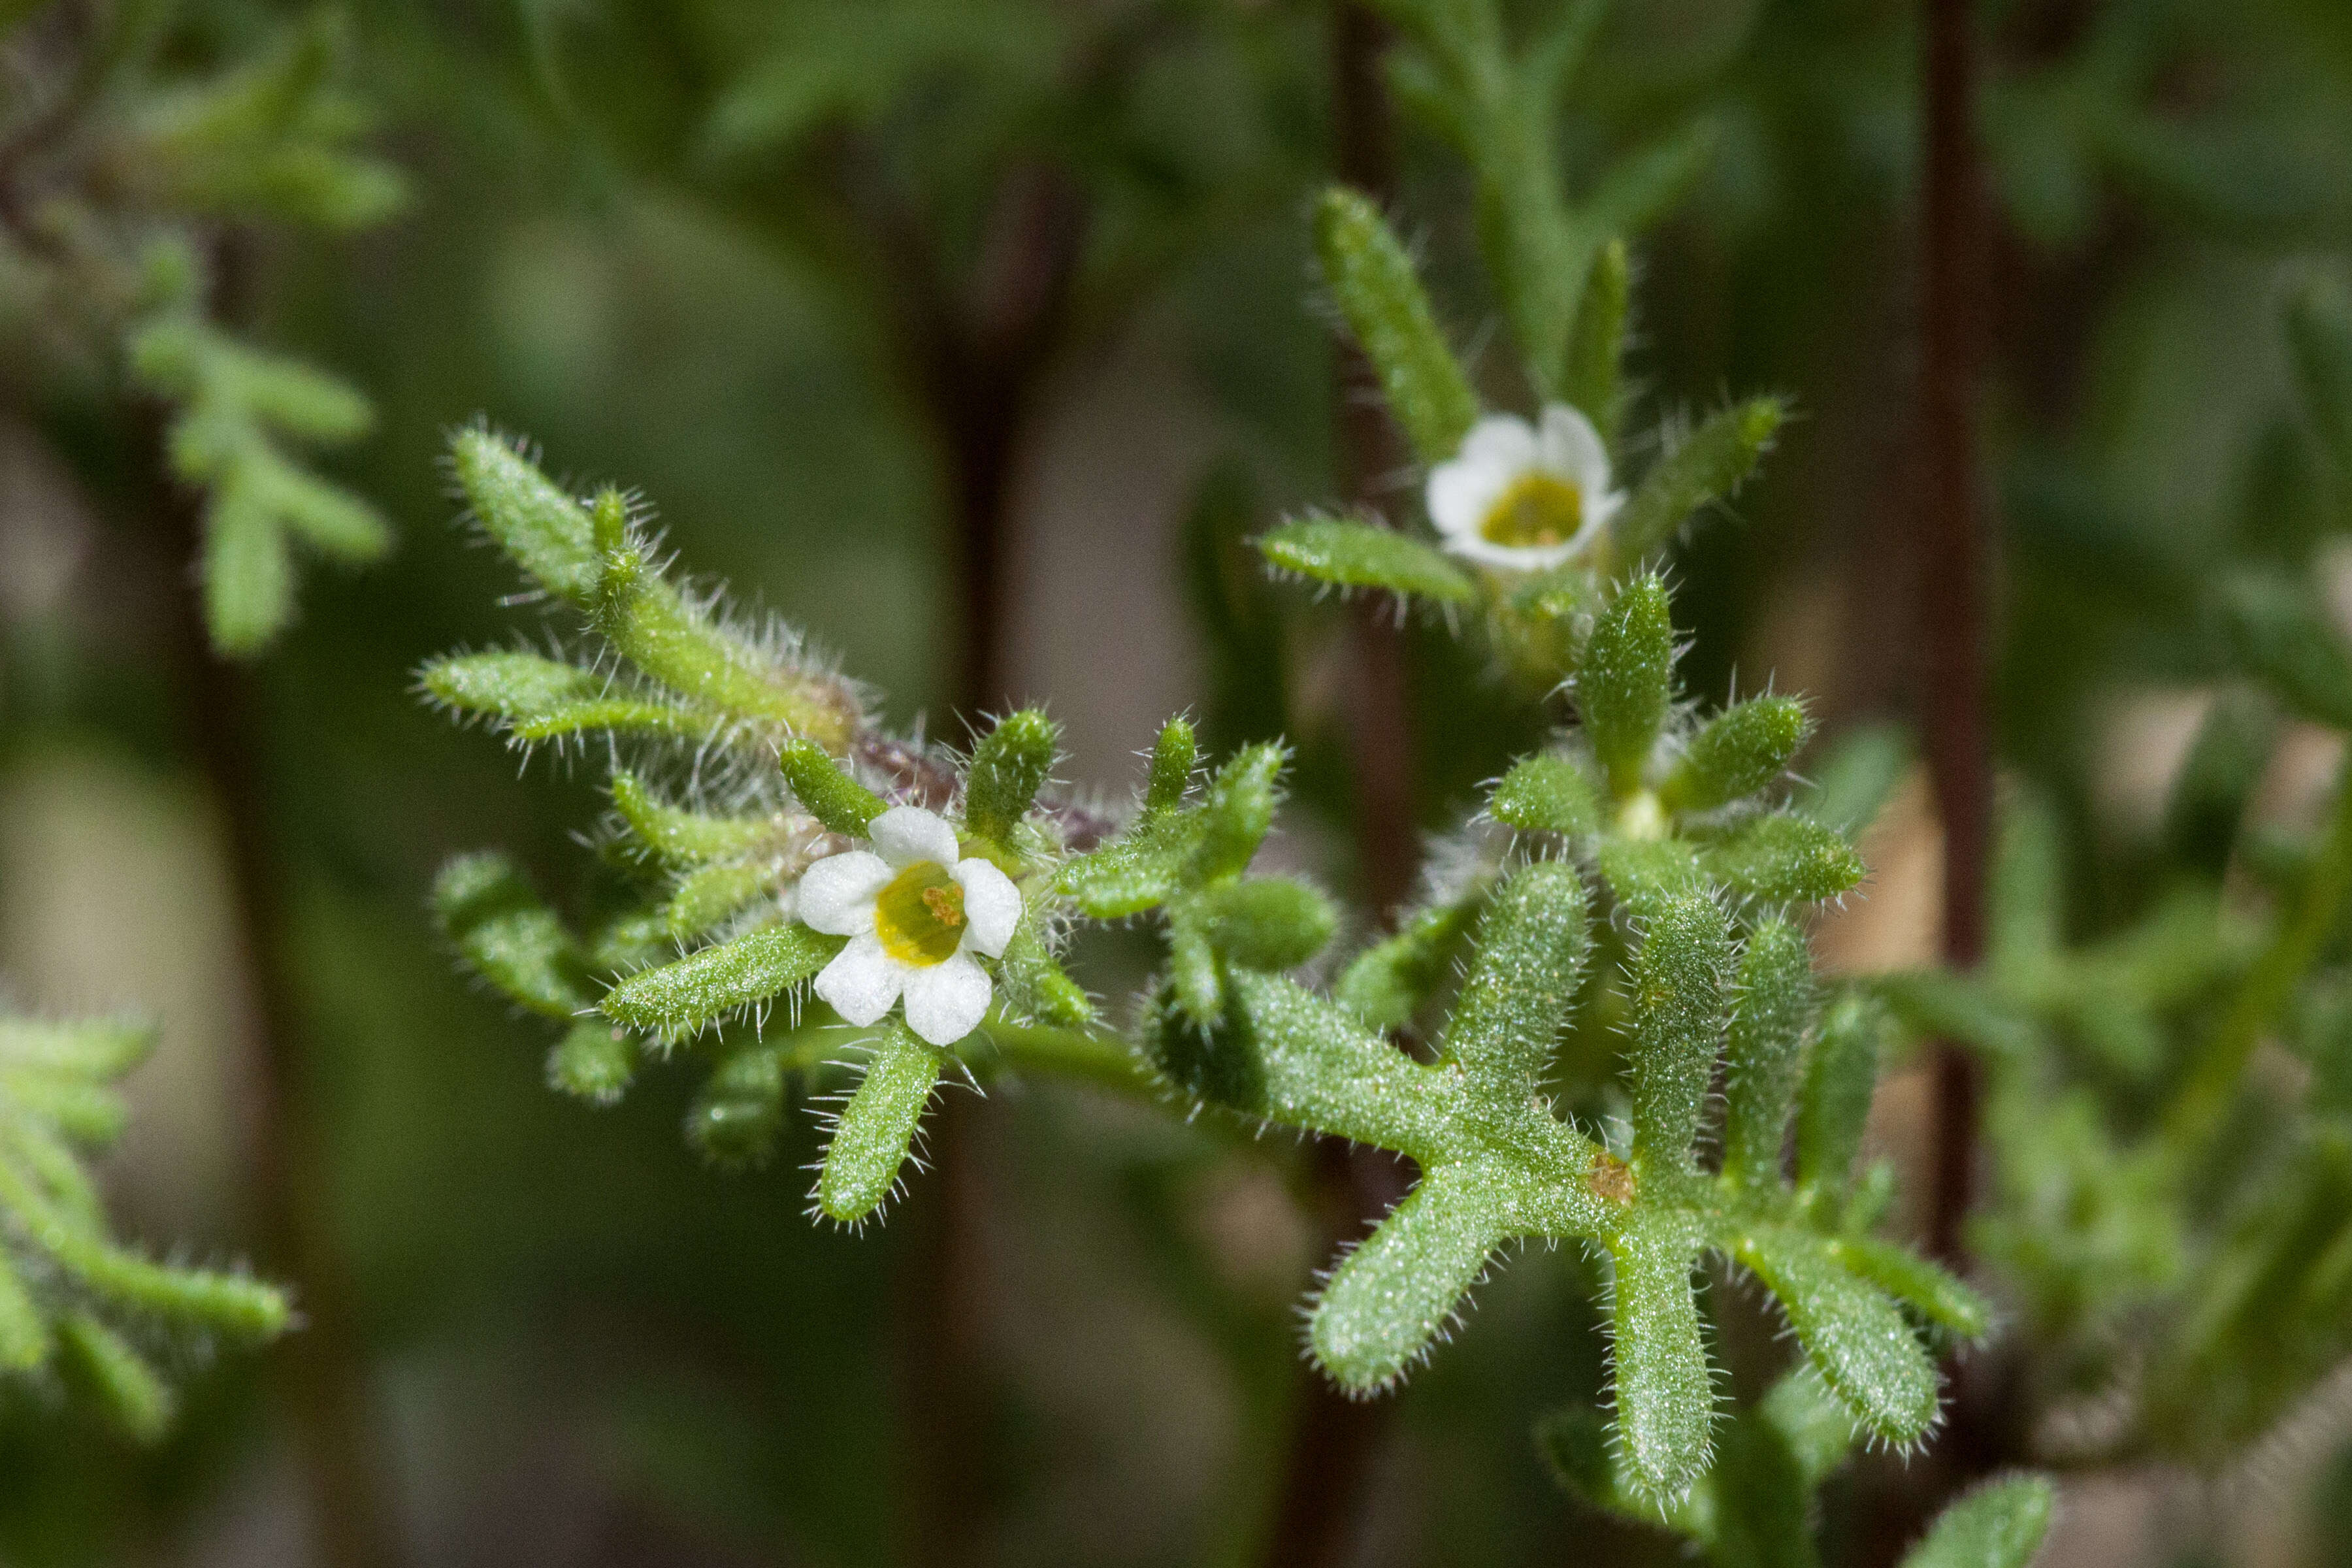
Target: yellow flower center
(1538, 509)
(920, 916)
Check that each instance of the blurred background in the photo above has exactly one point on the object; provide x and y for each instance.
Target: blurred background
(825, 282)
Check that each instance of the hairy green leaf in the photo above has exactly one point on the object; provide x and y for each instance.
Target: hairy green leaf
(594, 1061)
(1008, 768)
(1387, 982)
(1840, 1073)
(1549, 795)
(1664, 1389)
(1366, 555)
(509, 937)
(1678, 1014)
(1999, 1525)
(1707, 465)
(704, 987)
(829, 794)
(1596, 347)
(1741, 750)
(877, 1126)
(1763, 1054)
(1373, 279)
(1627, 681)
(1850, 1329)
(1780, 857)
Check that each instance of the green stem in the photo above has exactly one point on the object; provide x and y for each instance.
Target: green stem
(1101, 1059)
(2202, 1102)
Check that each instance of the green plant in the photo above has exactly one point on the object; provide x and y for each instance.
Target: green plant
(116, 178)
(76, 1307)
(1638, 880)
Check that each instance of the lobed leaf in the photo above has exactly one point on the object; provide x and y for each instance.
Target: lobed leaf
(1267, 922)
(594, 1061)
(711, 896)
(540, 699)
(1596, 345)
(1763, 1500)
(99, 1049)
(509, 937)
(1937, 1294)
(2319, 344)
(248, 572)
(24, 1342)
(677, 644)
(735, 1119)
(1645, 873)
(1386, 985)
(544, 531)
(1841, 1075)
(116, 1376)
(1281, 1052)
(1237, 812)
(1035, 984)
(686, 837)
(1172, 756)
(2279, 630)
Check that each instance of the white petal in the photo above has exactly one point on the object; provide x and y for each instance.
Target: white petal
(862, 981)
(1502, 441)
(1598, 507)
(1461, 493)
(1573, 450)
(837, 892)
(947, 1001)
(991, 905)
(1514, 557)
(907, 834)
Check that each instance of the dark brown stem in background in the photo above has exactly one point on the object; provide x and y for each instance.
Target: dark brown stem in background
(323, 1364)
(1335, 1441)
(979, 362)
(1954, 571)
(1954, 601)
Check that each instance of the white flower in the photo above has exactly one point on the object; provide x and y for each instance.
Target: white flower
(1523, 499)
(914, 913)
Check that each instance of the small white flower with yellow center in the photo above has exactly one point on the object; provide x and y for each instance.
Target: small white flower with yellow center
(1523, 497)
(914, 912)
